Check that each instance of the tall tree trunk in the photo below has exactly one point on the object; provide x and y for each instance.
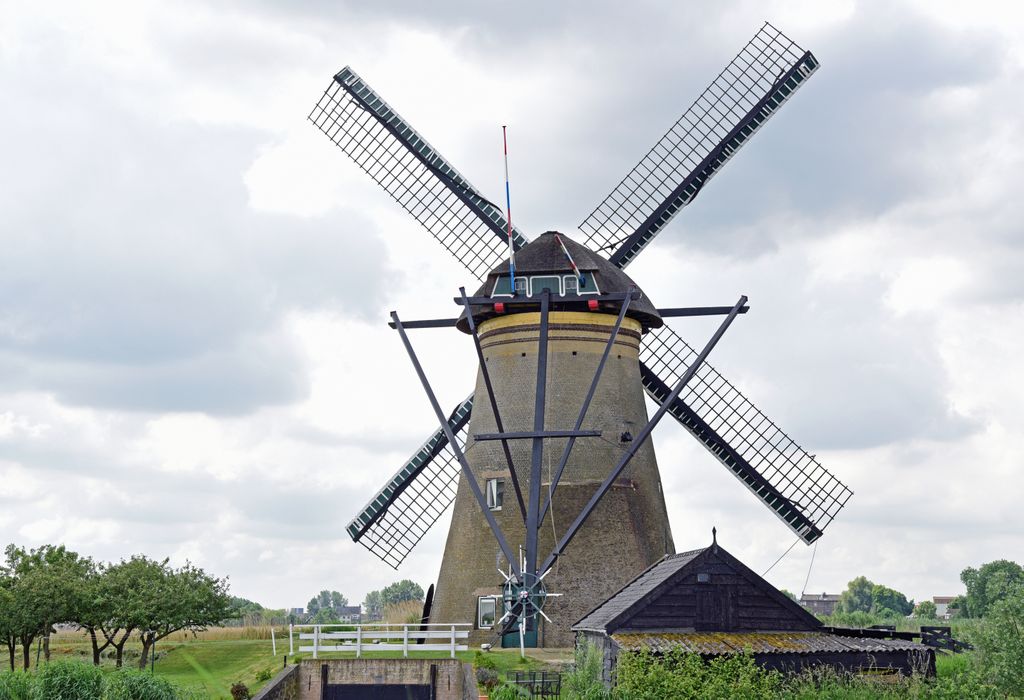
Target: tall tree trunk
(147, 644)
(26, 652)
(46, 643)
(12, 650)
(95, 647)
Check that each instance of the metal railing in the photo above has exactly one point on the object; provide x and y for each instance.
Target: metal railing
(381, 637)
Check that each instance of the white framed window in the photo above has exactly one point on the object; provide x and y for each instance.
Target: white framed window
(571, 285)
(521, 286)
(486, 612)
(495, 493)
(541, 282)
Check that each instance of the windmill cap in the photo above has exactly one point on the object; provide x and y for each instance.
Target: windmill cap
(545, 256)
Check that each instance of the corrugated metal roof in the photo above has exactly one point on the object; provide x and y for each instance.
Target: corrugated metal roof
(602, 615)
(716, 643)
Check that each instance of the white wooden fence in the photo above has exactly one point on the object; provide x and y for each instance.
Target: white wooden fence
(381, 637)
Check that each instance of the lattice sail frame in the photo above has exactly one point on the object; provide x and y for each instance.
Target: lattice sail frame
(401, 513)
(762, 76)
(782, 474)
(414, 173)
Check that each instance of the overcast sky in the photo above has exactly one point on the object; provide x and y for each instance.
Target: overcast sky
(194, 282)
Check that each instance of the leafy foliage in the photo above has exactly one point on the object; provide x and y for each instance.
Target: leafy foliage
(862, 595)
(330, 602)
(585, 680)
(1000, 643)
(993, 582)
(401, 591)
(677, 674)
(925, 610)
(508, 691)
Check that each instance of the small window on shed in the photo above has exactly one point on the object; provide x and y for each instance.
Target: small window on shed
(495, 493)
(486, 611)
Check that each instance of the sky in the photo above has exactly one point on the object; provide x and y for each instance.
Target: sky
(195, 283)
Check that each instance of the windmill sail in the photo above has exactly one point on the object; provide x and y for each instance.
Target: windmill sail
(399, 515)
(791, 482)
(762, 76)
(412, 171)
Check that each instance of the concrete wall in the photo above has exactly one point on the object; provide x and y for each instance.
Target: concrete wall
(451, 681)
(284, 686)
(629, 529)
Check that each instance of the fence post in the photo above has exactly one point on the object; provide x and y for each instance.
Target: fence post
(405, 641)
(273, 640)
(291, 642)
(359, 640)
(453, 641)
(316, 640)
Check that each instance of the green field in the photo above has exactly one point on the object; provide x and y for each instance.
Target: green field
(213, 661)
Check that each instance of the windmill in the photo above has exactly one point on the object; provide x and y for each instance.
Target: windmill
(568, 345)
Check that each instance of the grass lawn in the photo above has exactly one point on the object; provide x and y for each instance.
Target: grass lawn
(213, 661)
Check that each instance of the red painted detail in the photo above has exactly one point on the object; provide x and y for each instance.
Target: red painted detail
(592, 304)
(499, 307)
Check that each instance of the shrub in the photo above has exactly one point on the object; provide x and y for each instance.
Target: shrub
(1000, 643)
(15, 685)
(69, 680)
(508, 691)
(138, 685)
(482, 660)
(239, 691)
(486, 677)
(584, 681)
(264, 674)
(677, 674)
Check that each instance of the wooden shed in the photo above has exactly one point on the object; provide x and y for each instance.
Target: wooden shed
(707, 602)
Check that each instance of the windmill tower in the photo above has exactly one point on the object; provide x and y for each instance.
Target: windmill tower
(551, 451)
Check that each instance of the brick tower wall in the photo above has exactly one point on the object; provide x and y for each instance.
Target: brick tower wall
(629, 529)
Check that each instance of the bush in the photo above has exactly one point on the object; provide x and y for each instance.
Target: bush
(264, 674)
(15, 685)
(69, 680)
(677, 674)
(584, 681)
(487, 677)
(239, 691)
(482, 660)
(138, 685)
(508, 691)
(1000, 643)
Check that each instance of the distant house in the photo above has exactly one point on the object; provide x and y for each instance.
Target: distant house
(298, 612)
(942, 602)
(351, 614)
(820, 603)
(707, 602)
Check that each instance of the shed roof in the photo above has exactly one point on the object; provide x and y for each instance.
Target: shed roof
(719, 643)
(661, 576)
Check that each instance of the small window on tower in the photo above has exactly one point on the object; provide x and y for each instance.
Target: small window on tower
(495, 493)
(572, 285)
(520, 285)
(486, 610)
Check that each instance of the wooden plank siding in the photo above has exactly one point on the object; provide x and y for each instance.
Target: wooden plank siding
(731, 600)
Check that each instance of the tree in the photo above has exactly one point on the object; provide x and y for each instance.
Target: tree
(326, 606)
(856, 597)
(994, 581)
(8, 625)
(888, 602)
(373, 606)
(182, 599)
(127, 588)
(401, 591)
(1000, 642)
(925, 610)
(49, 583)
(789, 594)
